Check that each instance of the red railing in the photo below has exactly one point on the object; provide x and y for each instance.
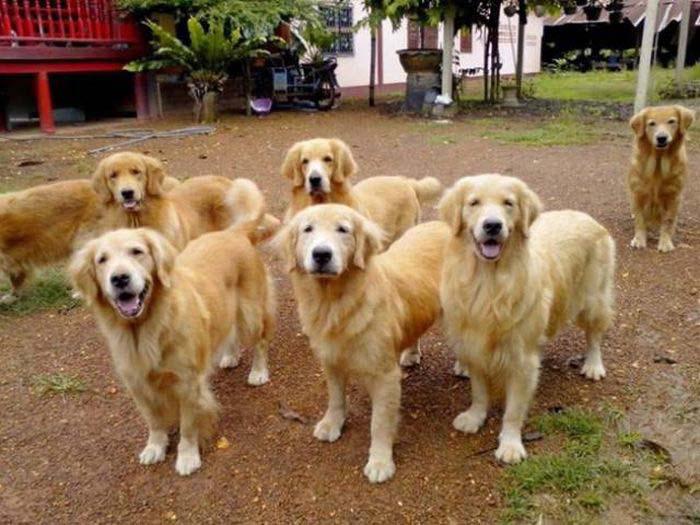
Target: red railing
(62, 22)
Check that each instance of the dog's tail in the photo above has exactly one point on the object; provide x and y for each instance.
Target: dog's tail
(258, 230)
(428, 189)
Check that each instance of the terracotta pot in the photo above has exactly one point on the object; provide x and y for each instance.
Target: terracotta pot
(420, 60)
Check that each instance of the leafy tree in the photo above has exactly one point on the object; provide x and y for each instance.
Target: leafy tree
(206, 60)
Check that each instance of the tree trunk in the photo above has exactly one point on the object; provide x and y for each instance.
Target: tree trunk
(448, 40)
(522, 22)
(372, 63)
(210, 104)
(487, 45)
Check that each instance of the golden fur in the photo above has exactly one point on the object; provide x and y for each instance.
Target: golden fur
(181, 310)
(392, 202)
(190, 209)
(656, 178)
(361, 309)
(41, 226)
(504, 293)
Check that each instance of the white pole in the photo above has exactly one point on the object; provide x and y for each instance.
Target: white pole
(640, 100)
(448, 38)
(682, 42)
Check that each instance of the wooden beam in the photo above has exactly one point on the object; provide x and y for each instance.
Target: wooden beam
(682, 42)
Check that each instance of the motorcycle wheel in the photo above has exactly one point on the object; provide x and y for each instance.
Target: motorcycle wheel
(326, 95)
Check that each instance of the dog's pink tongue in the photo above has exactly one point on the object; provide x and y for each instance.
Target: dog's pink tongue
(130, 306)
(491, 250)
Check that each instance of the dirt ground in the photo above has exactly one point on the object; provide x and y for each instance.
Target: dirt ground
(73, 459)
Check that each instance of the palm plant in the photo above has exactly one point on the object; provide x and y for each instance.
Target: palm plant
(206, 60)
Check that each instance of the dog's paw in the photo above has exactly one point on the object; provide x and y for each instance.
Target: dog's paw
(187, 462)
(378, 471)
(229, 361)
(8, 298)
(410, 357)
(511, 451)
(258, 377)
(469, 422)
(152, 454)
(638, 242)
(460, 370)
(594, 371)
(665, 245)
(328, 430)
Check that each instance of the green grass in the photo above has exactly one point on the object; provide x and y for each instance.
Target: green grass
(599, 86)
(572, 485)
(57, 384)
(564, 131)
(603, 86)
(48, 290)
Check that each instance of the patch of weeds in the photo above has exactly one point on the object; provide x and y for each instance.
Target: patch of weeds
(571, 485)
(629, 439)
(442, 139)
(48, 290)
(560, 132)
(58, 384)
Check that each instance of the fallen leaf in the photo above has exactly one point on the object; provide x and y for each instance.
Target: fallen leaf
(29, 162)
(222, 443)
(665, 359)
(292, 415)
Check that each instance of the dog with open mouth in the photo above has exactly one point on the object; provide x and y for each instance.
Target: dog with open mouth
(360, 309)
(320, 170)
(659, 168)
(136, 192)
(512, 278)
(165, 318)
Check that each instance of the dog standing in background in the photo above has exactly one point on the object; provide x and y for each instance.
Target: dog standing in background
(659, 168)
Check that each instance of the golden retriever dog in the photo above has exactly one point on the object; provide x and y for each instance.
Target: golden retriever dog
(512, 278)
(164, 317)
(360, 309)
(321, 169)
(659, 168)
(41, 226)
(132, 189)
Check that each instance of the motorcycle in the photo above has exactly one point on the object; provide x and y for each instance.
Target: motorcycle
(283, 79)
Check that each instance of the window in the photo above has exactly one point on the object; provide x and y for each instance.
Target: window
(430, 36)
(465, 40)
(338, 17)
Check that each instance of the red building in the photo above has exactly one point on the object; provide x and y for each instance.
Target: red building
(54, 40)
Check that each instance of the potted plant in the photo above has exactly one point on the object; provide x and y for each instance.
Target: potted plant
(615, 17)
(593, 10)
(581, 3)
(511, 9)
(615, 5)
(569, 7)
(205, 61)
(510, 94)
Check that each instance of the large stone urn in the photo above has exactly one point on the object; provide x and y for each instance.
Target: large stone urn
(423, 82)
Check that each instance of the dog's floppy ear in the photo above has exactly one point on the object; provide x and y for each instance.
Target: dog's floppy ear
(291, 166)
(81, 271)
(686, 117)
(163, 253)
(369, 239)
(285, 244)
(155, 175)
(638, 122)
(346, 166)
(451, 205)
(530, 207)
(99, 182)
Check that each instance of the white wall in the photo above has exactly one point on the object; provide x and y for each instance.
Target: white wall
(354, 70)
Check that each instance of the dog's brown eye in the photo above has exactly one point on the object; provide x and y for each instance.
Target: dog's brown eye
(474, 202)
(113, 175)
(508, 203)
(672, 121)
(342, 229)
(102, 259)
(304, 161)
(327, 159)
(136, 251)
(308, 229)
(652, 123)
(135, 171)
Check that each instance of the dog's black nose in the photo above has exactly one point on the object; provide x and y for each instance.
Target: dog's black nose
(322, 255)
(315, 181)
(662, 140)
(492, 227)
(120, 280)
(128, 194)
